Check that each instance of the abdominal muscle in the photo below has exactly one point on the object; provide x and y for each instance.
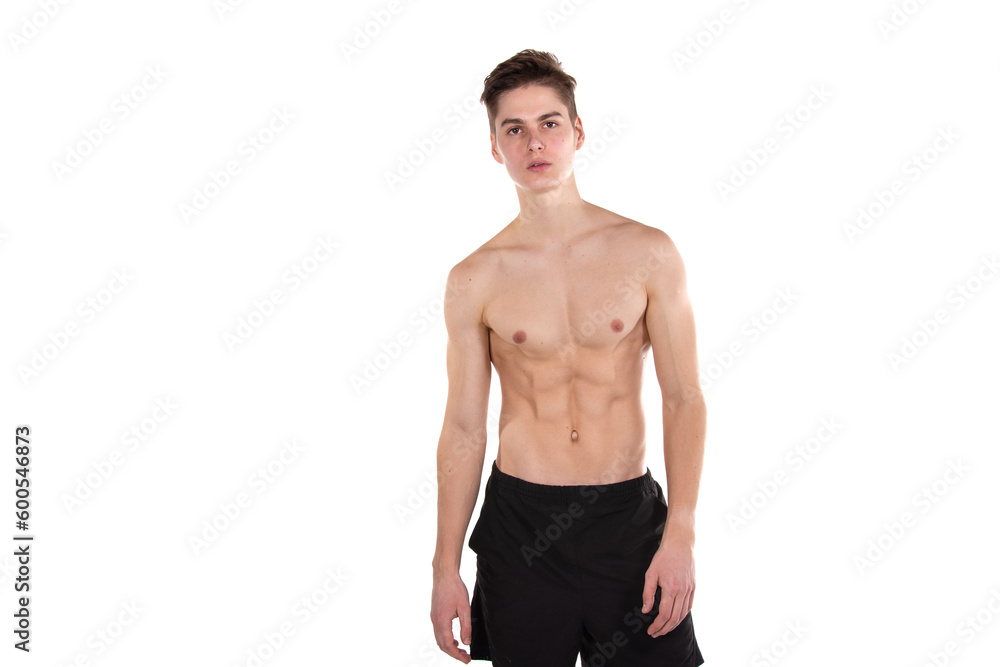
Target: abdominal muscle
(545, 401)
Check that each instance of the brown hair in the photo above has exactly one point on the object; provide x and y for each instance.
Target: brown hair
(526, 68)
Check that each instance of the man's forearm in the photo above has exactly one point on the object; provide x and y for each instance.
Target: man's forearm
(459, 471)
(684, 424)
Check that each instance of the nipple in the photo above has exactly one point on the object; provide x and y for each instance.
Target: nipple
(574, 436)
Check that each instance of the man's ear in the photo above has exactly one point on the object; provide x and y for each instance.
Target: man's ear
(579, 128)
(493, 149)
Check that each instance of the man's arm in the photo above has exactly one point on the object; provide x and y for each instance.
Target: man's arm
(670, 323)
(461, 450)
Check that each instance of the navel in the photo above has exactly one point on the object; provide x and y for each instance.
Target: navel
(616, 325)
(520, 337)
(574, 436)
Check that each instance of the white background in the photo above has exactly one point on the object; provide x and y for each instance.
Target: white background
(334, 514)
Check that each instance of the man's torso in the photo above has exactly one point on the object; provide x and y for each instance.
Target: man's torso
(568, 339)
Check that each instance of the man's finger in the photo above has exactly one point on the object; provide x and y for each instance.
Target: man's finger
(444, 635)
(681, 610)
(454, 651)
(686, 609)
(465, 623)
(459, 654)
(648, 593)
(663, 616)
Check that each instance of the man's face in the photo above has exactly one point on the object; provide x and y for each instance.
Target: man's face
(532, 125)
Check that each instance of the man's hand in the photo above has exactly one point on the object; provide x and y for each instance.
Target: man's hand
(672, 569)
(450, 598)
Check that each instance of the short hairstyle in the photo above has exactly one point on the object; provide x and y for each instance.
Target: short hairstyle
(526, 68)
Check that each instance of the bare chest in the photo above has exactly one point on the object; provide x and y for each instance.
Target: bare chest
(545, 307)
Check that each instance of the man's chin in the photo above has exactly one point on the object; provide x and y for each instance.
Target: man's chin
(540, 185)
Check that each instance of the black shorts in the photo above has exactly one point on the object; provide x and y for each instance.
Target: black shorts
(560, 572)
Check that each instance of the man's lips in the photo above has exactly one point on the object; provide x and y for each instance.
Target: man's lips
(538, 165)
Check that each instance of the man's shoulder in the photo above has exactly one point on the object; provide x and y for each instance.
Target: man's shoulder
(477, 264)
(637, 235)
(470, 279)
(655, 240)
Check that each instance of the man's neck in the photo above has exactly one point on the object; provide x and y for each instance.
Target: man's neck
(553, 216)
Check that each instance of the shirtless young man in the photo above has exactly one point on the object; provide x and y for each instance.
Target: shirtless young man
(576, 552)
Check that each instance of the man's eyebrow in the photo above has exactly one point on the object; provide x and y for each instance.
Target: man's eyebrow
(518, 121)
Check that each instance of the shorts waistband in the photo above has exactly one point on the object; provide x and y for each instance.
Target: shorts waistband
(637, 486)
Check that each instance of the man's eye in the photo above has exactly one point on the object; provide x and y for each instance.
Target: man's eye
(512, 129)
(552, 122)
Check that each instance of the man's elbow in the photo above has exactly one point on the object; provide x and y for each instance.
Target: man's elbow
(685, 397)
(463, 437)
